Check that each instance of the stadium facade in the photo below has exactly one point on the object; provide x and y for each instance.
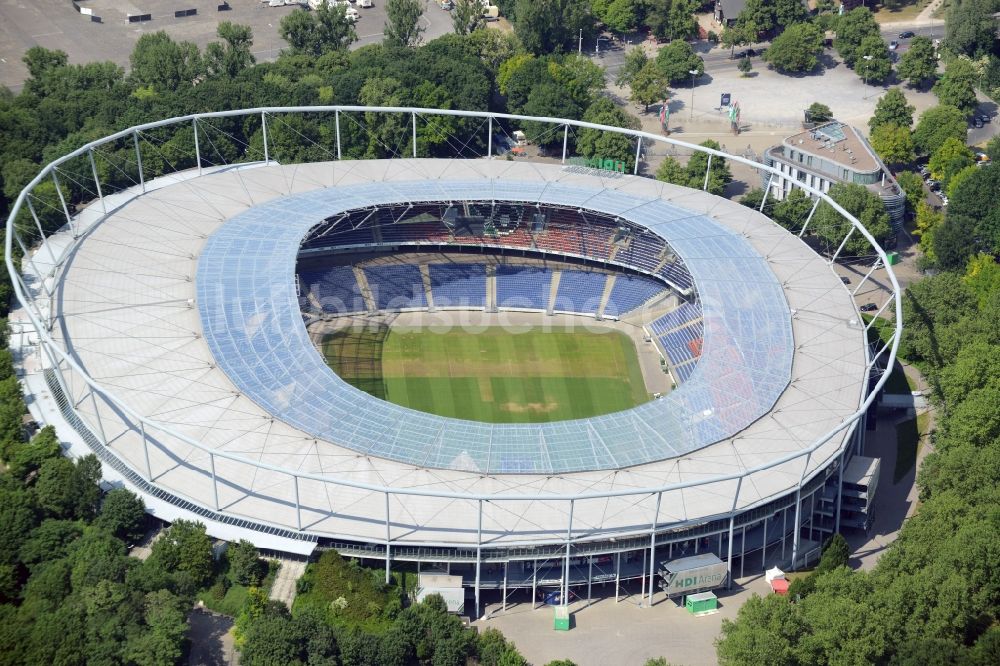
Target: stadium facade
(164, 328)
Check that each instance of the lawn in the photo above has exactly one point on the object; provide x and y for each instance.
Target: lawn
(908, 435)
(495, 375)
(907, 12)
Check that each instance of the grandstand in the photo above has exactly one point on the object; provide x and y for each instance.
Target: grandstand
(192, 374)
(458, 285)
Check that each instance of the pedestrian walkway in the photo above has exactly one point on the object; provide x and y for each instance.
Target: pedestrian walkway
(283, 588)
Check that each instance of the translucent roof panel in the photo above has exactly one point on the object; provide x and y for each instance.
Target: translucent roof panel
(253, 326)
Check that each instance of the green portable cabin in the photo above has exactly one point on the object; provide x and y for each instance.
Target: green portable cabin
(703, 602)
(893, 258)
(561, 618)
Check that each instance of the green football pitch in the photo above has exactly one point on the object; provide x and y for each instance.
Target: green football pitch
(495, 375)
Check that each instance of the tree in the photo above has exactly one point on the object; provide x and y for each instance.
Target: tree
(766, 631)
(819, 113)
(29, 457)
(161, 63)
(50, 541)
(402, 22)
(185, 547)
(792, 211)
(677, 60)
(893, 143)
(993, 149)
(758, 15)
(495, 650)
(935, 125)
(745, 66)
(951, 157)
(789, 12)
(621, 16)
(679, 21)
(40, 61)
(549, 26)
(648, 86)
(866, 206)
(162, 642)
(317, 32)
(892, 109)
(797, 49)
(852, 29)
(234, 56)
(972, 224)
(603, 144)
(67, 490)
(693, 173)
(956, 180)
(970, 29)
(548, 100)
(737, 35)
(245, 565)
(956, 87)
(635, 60)
(123, 514)
(913, 185)
(919, 63)
(873, 63)
(466, 16)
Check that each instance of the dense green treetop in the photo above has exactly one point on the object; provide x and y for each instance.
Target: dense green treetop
(892, 109)
(797, 49)
(919, 63)
(957, 86)
(970, 29)
(872, 62)
(326, 28)
(852, 29)
(829, 226)
(937, 124)
(894, 144)
(551, 26)
(677, 60)
(402, 22)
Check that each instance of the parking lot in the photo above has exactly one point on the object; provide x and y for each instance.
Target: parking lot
(55, 24)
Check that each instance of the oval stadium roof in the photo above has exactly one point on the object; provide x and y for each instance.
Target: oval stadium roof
(251, 321)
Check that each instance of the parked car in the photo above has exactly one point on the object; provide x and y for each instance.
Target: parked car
(984, 117)
(868, 307)
(447, 5)
(906, 34)
(944, 199)
(893, 45)
(746, 53)
(977, 123)
(845, 280)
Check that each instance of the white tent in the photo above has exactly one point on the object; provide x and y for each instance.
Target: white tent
(774, 573)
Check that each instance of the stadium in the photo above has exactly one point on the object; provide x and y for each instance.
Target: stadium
(525, 372)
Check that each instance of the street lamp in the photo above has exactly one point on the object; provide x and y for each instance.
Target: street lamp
(864, 77)
(599, 38)
(693, 73)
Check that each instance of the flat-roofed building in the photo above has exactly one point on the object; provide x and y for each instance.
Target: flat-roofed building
(834, 152)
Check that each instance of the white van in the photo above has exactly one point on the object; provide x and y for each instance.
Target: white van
(352, 14)
(365, 3)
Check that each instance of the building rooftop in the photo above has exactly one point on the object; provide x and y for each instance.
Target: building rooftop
(838, 142)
